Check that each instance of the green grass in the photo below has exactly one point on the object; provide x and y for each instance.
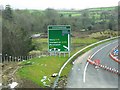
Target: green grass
(40, 44)
(43, 40)
(67, 13)
(83, 40)
(79, 43)
(44, 66)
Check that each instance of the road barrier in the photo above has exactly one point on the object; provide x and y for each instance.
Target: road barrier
(57, 78)
(113, 57)
(113, 70)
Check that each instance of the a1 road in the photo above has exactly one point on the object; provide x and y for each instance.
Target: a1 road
(93, 78)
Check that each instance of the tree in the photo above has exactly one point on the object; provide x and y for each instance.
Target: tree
(51, 18)
(16, 38)
(7, 13)
(85, 19)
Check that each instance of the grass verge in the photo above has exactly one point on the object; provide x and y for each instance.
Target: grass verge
(38, 68)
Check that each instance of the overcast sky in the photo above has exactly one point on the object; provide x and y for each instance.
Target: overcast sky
(58, 4)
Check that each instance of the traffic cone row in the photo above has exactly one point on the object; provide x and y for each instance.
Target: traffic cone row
(113, 70)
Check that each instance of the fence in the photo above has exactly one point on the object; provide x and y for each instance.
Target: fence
(22, 58)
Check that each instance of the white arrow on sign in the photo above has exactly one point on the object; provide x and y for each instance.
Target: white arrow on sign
(65, 47)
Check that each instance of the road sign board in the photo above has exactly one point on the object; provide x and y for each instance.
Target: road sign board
(59, 38)
(115, 52)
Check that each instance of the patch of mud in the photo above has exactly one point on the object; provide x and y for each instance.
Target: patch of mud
(62, 82)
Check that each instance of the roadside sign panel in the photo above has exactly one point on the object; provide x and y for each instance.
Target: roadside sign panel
(115, 52)
(59, 38)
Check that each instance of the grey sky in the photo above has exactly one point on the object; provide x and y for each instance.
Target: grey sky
(59, 4)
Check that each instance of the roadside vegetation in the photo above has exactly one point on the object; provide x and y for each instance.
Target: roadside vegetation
(38, 68)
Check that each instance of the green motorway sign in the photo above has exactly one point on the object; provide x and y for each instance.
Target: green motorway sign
(59, 38)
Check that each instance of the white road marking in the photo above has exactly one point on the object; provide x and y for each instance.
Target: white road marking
(85, 69)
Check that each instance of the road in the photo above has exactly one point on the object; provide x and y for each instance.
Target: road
(94, 78)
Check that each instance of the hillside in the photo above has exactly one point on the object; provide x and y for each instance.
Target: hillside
(20, 25)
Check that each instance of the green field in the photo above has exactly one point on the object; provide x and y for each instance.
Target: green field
(70, 13)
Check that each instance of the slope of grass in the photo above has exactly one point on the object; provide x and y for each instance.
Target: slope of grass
(40, 67)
